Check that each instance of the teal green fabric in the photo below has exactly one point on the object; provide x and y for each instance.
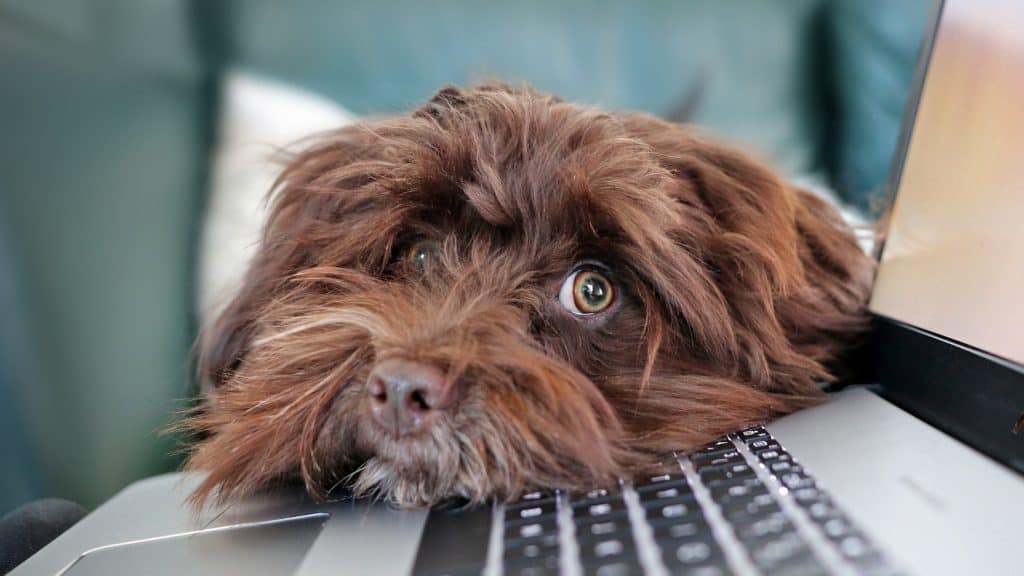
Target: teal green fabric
(102, 156)
(873, 46)
(20, 481)
(381, 57)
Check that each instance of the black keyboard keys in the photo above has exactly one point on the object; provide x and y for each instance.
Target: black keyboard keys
(531, 544)
(604, 529)
(721, 474)
(604, 534)
(695, 556)
(757, 512)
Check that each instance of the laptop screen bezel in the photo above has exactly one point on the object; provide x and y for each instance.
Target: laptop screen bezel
(961, 390)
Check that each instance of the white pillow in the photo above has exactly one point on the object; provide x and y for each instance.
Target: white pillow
(259, 118)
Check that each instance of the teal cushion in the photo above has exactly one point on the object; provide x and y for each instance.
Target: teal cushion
(874, 46)
(102, 157)
(384, 57)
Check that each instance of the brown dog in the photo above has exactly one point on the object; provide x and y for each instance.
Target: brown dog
(506, 291)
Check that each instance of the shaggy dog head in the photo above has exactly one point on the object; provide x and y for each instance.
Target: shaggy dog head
(505, 290)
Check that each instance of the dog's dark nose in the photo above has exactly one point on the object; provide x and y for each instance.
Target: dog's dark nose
(406, 396)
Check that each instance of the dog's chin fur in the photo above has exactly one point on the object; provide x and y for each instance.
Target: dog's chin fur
(735, 295)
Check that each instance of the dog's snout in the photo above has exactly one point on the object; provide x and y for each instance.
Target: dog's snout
(405, 395)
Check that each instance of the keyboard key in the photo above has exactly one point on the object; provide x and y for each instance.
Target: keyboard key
(660, 476)
(679, 484)
(837, 528)
(532, 547)
(808, 497)
(780, 467)
(614, 568)
(713, 447)
(514, 507)
(745, 480)
(698, 557)
(605, 548)
(538, 567)
(693, 552)
(601, 512)
(615, 527)
(747, 502)
(657, 494)
(531, 511)
(854, 546)
(804, 564)
(726, 451)
(769, 527)
(752, 433)
(758, 444)
(595, 493)
(731, 457)
(764, 445)
(671, 508)
(714, 476)
(726, 493)
(749, 512)
(769, 457)
(821, 510)
(797, 481)
(685, 529)
(532, 529)
(716, 568)
(597, 509)
(773, 552)
(582, 503)
(535, 554)
(610, 555)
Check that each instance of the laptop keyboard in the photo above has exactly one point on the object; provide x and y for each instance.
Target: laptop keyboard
(740, 505)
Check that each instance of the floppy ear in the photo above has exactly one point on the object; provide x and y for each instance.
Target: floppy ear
(331, 186)
(225, 342)
(793, 277)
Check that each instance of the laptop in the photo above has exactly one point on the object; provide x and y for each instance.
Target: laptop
(919, 472)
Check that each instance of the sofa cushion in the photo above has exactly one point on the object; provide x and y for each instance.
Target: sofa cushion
(384, 57)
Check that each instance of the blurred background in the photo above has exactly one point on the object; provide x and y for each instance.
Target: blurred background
(134, 137)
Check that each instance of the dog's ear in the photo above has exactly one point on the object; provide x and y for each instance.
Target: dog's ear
(788, 266)
(331, 185)
(223, 344)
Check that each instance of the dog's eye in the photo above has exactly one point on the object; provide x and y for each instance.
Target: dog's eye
(421, 254)
(586, 292)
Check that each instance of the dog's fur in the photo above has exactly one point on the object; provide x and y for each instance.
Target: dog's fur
(736, 293)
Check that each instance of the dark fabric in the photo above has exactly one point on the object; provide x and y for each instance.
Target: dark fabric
(25, 530)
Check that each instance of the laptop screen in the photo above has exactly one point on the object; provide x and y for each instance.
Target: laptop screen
(953, 261)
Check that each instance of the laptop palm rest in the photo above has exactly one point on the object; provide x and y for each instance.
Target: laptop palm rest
(937, 505)
(263, 548)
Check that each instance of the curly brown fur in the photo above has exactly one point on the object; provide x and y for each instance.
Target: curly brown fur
(735, 295)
